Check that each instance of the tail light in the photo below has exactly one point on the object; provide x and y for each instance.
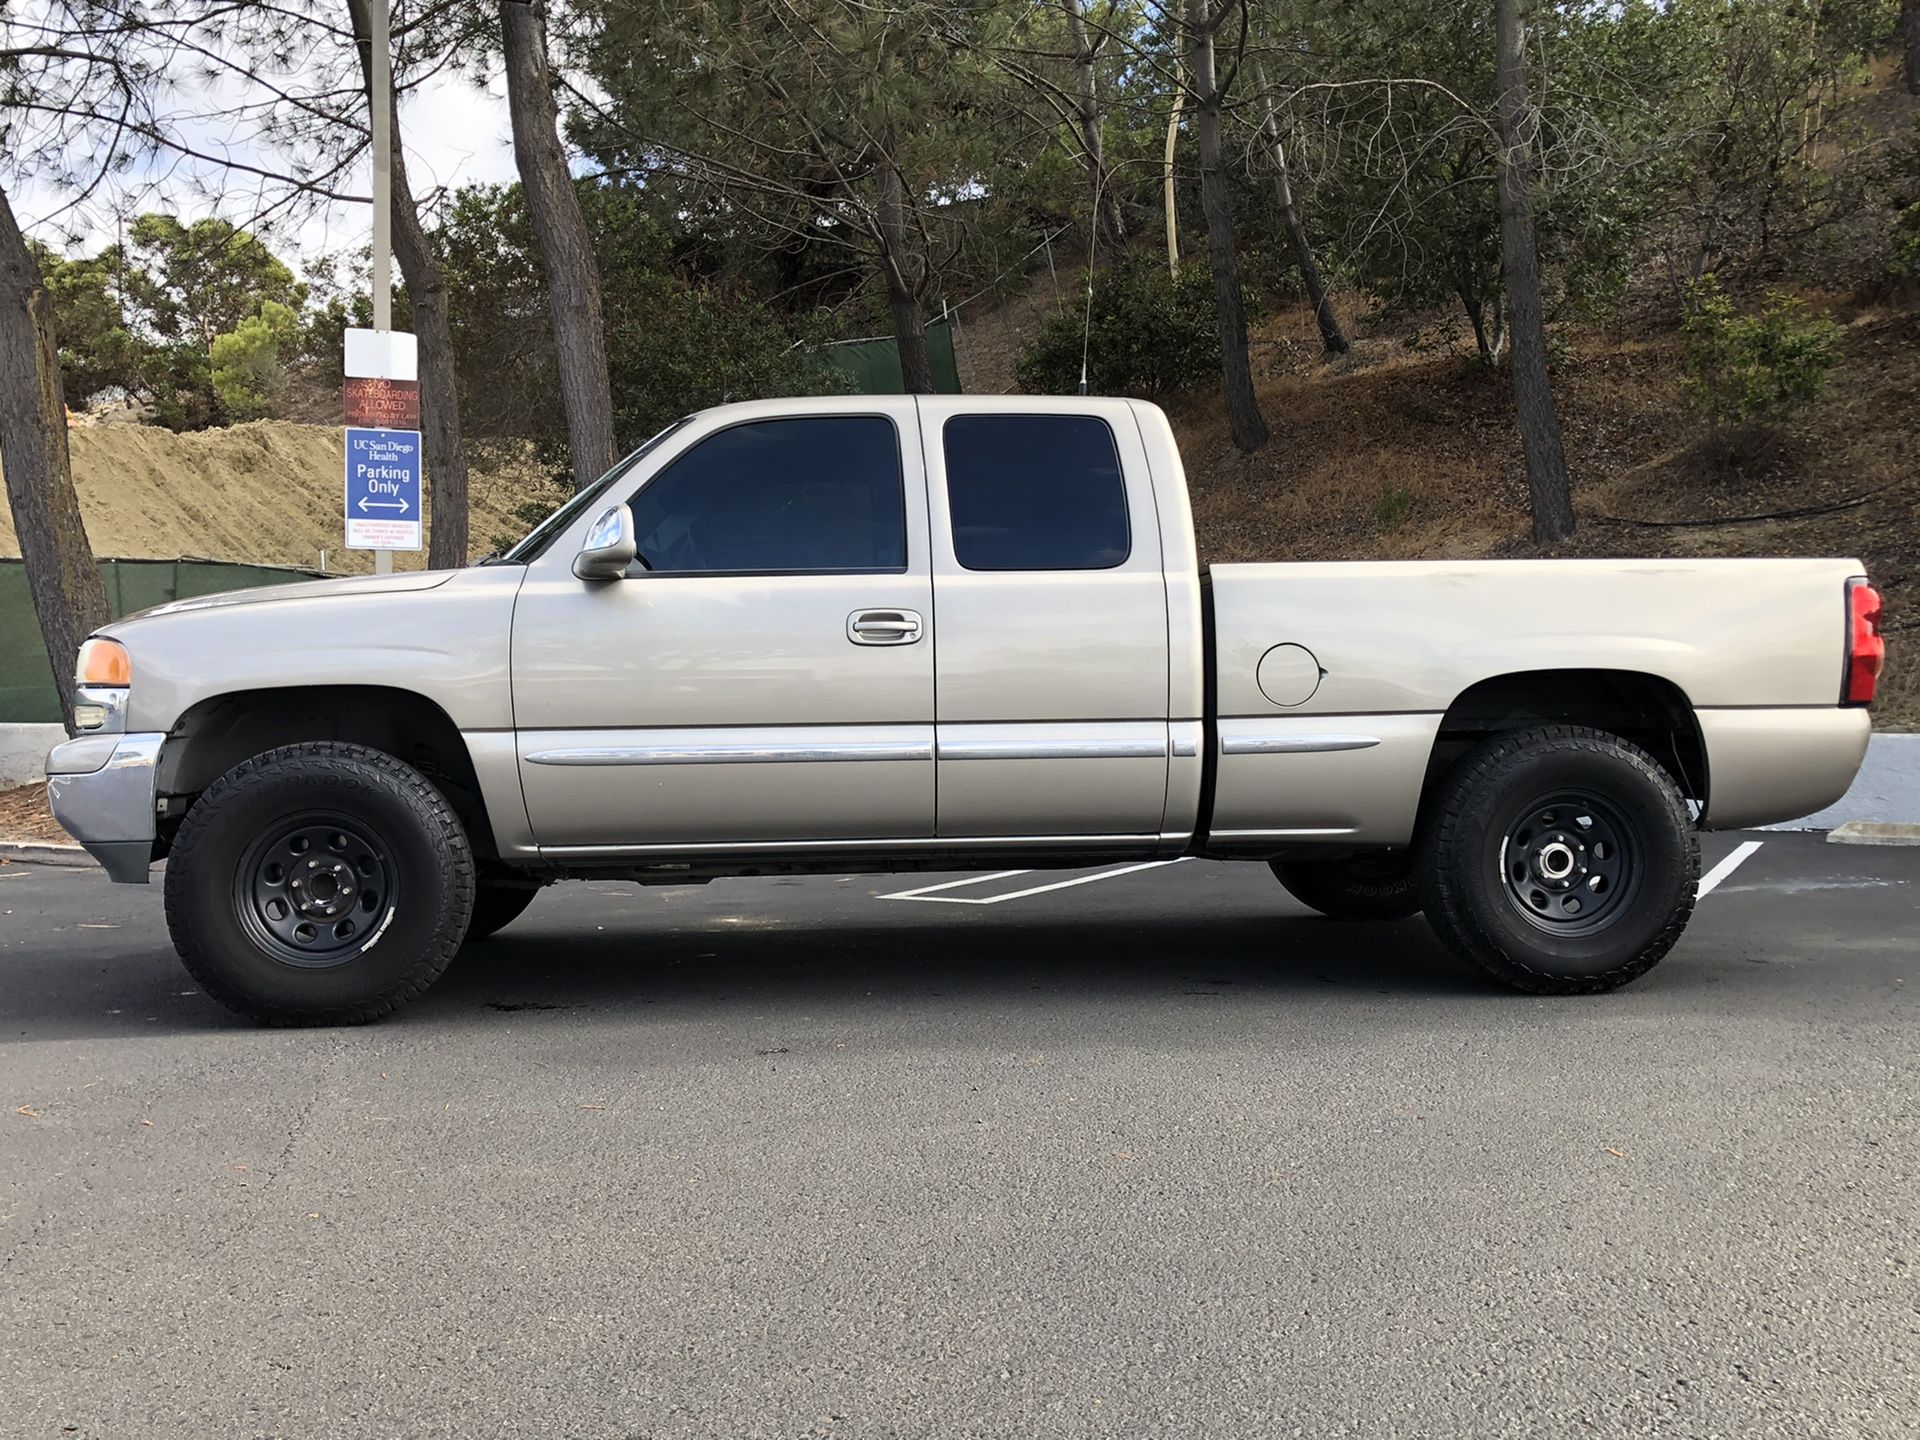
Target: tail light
(1866, 650)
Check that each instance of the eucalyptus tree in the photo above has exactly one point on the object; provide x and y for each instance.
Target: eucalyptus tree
(76, 108)
(864, 129)
(1549, 490)
(1202, 23)
(566, 250)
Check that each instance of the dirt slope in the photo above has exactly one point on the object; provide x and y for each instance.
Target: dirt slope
(267, 493)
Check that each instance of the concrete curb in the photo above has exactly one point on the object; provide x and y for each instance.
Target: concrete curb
(23, 752)
(29, 853)
(1871, 832)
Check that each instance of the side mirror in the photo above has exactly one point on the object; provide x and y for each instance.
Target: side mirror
(610, 547)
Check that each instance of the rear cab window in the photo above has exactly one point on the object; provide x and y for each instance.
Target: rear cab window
(1035, 492)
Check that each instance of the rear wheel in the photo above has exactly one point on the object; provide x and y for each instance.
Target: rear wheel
(319, 884)
(1374, 886)
(1560, 860)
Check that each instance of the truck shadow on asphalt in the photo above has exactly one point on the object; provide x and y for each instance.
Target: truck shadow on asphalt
(552, 973)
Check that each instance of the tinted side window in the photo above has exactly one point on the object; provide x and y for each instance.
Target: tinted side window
(821, 493)
(1035, 492)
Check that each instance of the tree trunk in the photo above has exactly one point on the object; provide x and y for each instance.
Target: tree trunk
(566, 251)
(446, 460)
(1243, 410)
(69, 599)
(1109, 223)
(905, 276)
(1477, 314)
(1548, 488)
(1166, 174)
(1332, 338)
(1910, 32)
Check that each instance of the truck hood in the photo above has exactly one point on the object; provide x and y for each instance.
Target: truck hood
(304, 590)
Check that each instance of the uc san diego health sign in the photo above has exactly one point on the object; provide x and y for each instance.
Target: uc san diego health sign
(381, 399)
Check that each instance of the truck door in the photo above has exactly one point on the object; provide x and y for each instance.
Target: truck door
(767, 674)
(1051, 680)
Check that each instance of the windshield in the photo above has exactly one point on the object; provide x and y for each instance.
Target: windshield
(542, 534)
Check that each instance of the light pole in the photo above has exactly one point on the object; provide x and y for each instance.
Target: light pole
(382, 106)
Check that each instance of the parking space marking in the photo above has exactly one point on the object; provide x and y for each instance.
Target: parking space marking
(1741, 854)
(930, 893)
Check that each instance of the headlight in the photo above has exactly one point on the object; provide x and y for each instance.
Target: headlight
(102, 676)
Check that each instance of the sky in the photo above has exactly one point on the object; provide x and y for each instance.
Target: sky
(455, 133)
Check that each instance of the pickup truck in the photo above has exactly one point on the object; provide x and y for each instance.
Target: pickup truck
(876, 634)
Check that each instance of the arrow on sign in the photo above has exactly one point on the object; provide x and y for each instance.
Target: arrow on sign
(366, 505)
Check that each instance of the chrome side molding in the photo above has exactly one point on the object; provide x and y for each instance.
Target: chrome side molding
(1294, 744)
(754, 752)
(1065, 748)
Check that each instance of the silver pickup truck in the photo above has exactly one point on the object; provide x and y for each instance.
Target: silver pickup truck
(891, 634)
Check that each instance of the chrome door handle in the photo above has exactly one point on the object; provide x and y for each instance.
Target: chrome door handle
(883, 627)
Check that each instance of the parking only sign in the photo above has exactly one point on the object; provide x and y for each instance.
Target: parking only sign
(383, 489)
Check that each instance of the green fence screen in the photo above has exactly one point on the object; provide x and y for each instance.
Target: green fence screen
(875, 364)
(27, 695)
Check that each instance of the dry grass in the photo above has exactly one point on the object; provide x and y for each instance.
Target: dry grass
(266, 493)
(25, 818)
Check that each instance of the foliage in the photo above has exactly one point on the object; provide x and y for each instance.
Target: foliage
(675, 341)
(1149, 336)
(98, 353)
(246, 369)
(1753, 369)
(1903, 251)
(198, 321)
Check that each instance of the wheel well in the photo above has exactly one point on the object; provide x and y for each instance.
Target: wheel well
(218, 733)
(1652, 712)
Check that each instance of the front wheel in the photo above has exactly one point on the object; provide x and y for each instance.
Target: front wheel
(319, 884)
(1376, 886)
(1560, 860)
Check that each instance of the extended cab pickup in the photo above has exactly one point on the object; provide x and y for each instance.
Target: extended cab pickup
(884, 634)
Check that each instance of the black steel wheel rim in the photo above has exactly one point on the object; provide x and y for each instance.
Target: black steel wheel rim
(1570, 862)
(314, 889)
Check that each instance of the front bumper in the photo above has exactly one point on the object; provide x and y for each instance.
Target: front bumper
(101, 788)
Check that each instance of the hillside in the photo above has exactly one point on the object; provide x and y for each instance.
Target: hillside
(266, 492)
(1390, 454)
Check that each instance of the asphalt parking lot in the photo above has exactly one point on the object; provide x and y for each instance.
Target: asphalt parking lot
(1155, 1154)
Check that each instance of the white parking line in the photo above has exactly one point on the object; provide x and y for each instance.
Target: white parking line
(1741, 854)
(930, 893)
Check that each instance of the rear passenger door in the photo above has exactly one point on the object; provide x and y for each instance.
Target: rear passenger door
(1051, 679)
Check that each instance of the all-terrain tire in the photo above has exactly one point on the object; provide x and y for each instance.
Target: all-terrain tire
(1377, 886)
(388, 879)
(496, 906)
(1510, 876)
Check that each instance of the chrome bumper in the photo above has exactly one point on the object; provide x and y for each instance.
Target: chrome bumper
(101, 788)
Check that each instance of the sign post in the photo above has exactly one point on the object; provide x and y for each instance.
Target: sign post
(382, 404)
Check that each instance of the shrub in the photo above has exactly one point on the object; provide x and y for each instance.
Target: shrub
(1904, 247)
(1150, 336)
(1747, 370)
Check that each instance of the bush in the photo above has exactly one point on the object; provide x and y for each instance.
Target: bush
(1904, 259)
(1150, 336)
(248, 376)
(1747, 370)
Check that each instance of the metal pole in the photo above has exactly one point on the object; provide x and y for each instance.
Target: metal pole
(382, 103)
